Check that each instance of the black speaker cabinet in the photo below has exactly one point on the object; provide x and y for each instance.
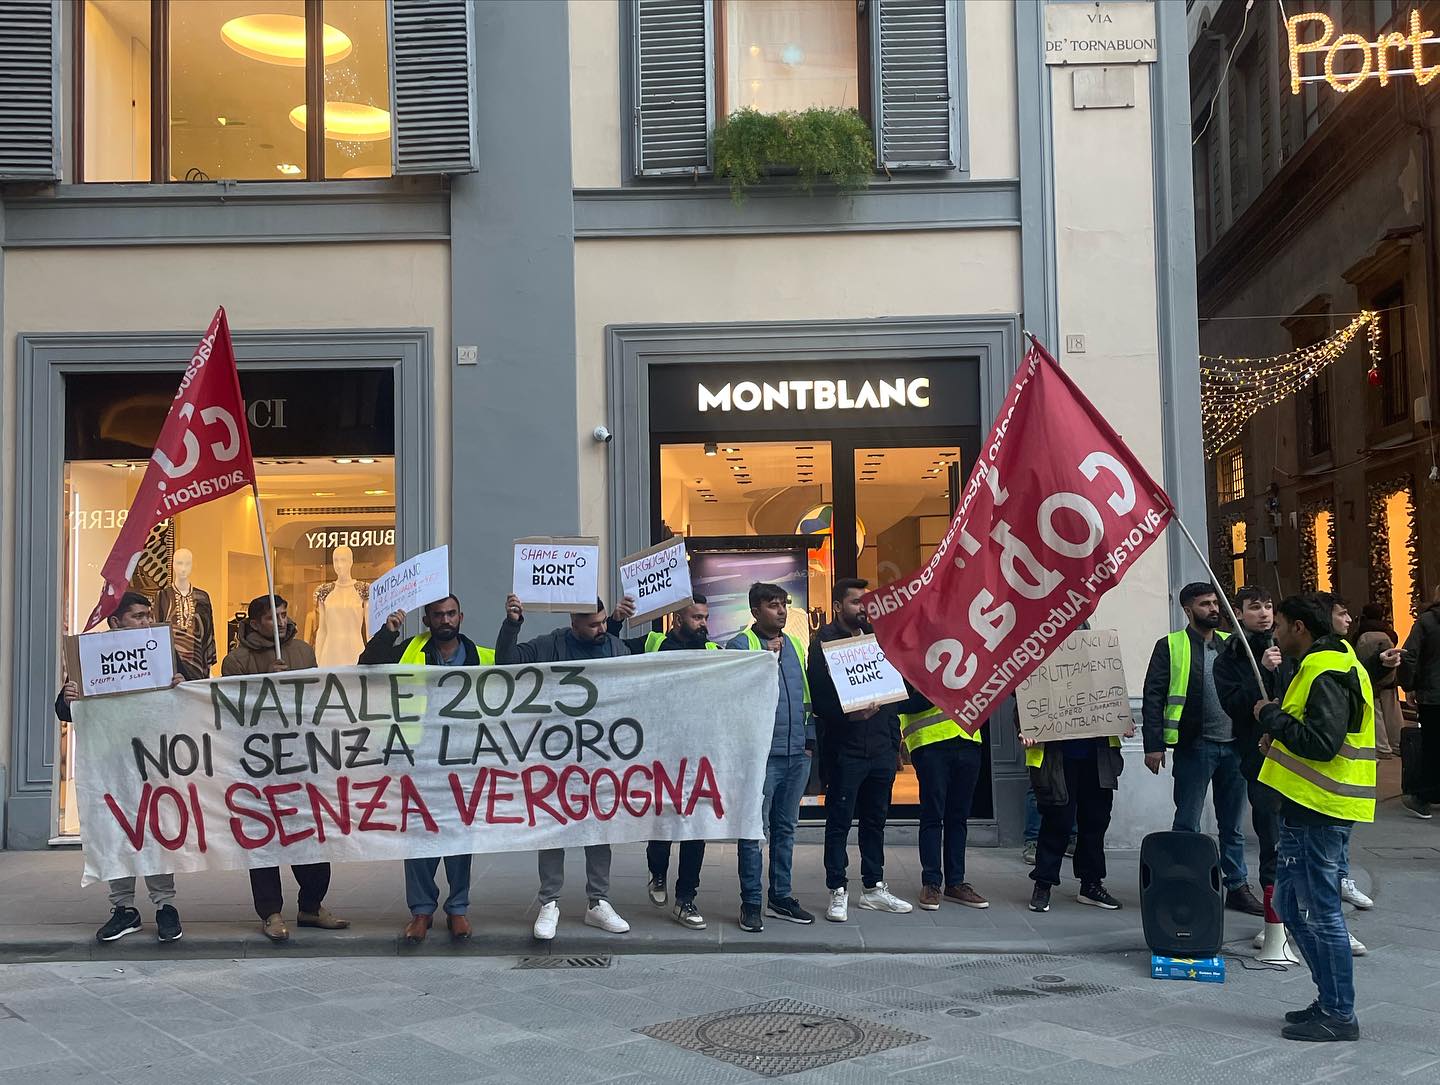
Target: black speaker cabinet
(1182, 903)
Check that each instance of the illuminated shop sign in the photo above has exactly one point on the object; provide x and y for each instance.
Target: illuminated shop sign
(1386, 56)
(815, 395)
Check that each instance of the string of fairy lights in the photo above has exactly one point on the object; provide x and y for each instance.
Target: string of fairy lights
(1235, 390)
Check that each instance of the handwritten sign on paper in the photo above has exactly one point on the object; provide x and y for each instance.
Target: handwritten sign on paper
(121, 660)
(1078, 692)
(658, 579)
(557, 574)
(862, 675)
(423, 579)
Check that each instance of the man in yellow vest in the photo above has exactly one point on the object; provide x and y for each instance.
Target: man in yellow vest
(1319, 745)
(689, 632)
(1183, 713)
(441, 645)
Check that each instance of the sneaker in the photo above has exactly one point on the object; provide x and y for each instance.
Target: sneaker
(1322, 1029)
(839, 910)
(1357, 947)
(1351, 895)
(601, 915)
(1417, 806)
(750, 918)
(167, 924)
(1097, 896)
(965, 894)
(1040, 898)
(656, 890)
(1309, 1013)
(1027, 853)
(122, 921)
(1243, 899)
(1259, 940)
(274, 929)
(687, 915)
(547, 921)
(878, 898)
(930, 898)
(788, 909)
(1070, 848)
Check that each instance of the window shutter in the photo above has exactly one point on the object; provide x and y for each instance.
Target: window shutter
(1265, 76)
(917, 94)
(29, 90)
(432, 86)
(673, 86)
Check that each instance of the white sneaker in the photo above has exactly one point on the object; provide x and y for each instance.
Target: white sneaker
(1259, 940)
(1357, 947)
(547, 921)
(606, 918)
(880, 899)
(839, 910)
(1351, 895)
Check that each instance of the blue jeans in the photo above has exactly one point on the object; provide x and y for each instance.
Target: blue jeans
(423, 895)
(785, 779)
(1307, 898)
(1344, 863)
(1196, 768)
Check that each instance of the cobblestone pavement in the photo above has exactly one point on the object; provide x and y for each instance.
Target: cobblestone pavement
(997, 1019)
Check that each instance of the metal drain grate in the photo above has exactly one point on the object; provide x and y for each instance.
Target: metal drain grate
(598, 960)
(780, 1037)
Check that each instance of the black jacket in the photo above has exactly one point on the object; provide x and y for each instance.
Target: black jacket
(636, 645)
(1157, 689)
(1334, 709)
(558, 645)
(1235, 686)
(388, 647)
(847, 734)
(1420, 667)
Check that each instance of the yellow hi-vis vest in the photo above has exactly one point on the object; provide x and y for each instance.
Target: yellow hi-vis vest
(1179, 642)
(414, 654)
(654, 640)
(922, 728)
(1035, 755)
(1343, 787)
(795, 642)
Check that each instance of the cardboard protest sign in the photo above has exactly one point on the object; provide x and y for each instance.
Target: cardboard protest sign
(557, 574)
(120, 660)
(862, 675)
(411, 584)
(658, 579)
(1079, 690)
(364, 763)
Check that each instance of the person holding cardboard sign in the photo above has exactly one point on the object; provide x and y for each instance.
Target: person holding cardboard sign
(134, 612)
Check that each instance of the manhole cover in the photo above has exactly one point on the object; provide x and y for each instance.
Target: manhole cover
(963, 1011)
(780, 1037)
(1049, 979)
(599, 960)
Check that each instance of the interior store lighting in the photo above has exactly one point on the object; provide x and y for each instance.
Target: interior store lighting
(280, 39)
(349, 121)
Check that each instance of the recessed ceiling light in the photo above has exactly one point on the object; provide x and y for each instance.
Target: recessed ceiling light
(289, 169)
(280, 39)
(350, 121)
(344, 460)
(710, 449)
(742, 484)
(322, 493)
(375, 493)
(366, 459)
(734, 459)
(122, 466)
(729, 450)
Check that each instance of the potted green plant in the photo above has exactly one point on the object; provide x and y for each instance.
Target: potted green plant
(830, 145)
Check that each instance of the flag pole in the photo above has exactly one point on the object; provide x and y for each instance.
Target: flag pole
(1224, 602)
(269, 572)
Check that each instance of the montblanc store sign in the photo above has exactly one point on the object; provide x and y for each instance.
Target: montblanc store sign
(823, 395)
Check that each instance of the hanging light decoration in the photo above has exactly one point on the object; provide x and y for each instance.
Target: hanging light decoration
(1235, 390)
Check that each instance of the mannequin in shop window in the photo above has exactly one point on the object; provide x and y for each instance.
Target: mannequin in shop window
(340, 608)
(187, 611)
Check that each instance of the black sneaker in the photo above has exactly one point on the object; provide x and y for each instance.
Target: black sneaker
(750, 918)
(1040, 898)
(1322, 1029)
(656, 890)
(1417, 806)
(1309, 1013)
(167, 924)
(789, 910)
(1098, 896)
(687, 915)
(123, 921)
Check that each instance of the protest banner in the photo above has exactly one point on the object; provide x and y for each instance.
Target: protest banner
(557, 574)
(862, 675)
(411, 584)
(1078, 692)
(120, 660)
(658, 579)
(362, 763)
(1055, 513)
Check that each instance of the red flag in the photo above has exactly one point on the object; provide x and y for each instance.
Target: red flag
(1055, 511)
(203, 452)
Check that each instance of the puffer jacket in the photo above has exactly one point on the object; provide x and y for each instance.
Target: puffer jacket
(255, 653)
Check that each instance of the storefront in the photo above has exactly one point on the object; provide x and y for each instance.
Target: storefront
(802, 469)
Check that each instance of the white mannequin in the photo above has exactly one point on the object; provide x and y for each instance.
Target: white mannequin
(187, 610)
(340, 606)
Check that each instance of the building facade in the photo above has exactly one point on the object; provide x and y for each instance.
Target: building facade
(1315, 204)
(434, 318)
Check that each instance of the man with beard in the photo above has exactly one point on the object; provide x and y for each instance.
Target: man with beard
(1182, 712)
(1235, 685)
(586, 637)
(689, 632)
(441, 645)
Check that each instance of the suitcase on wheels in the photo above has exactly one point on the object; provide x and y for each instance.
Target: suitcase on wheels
(1411, 766)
